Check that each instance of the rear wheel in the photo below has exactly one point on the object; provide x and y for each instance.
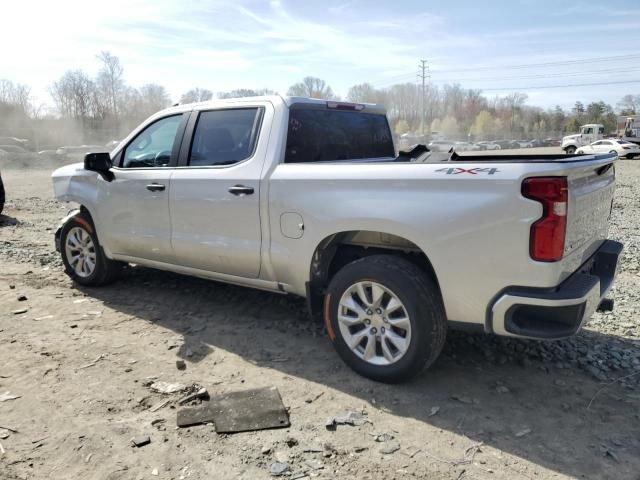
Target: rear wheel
(385, 318)
(83, 258)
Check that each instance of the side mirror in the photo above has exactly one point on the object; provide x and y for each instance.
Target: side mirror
(101, 163)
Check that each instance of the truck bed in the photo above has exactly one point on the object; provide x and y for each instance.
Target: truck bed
(420, 154)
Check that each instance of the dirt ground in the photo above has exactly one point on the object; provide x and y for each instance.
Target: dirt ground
(80, 361)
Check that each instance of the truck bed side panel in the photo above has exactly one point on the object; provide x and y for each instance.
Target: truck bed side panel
(474, 227)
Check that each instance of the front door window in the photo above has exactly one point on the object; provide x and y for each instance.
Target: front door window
(153, 146)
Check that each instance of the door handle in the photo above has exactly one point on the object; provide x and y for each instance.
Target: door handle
(155, 187)
(240, 190)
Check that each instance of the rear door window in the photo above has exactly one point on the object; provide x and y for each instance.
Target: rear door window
(319, 135)
(225, 137)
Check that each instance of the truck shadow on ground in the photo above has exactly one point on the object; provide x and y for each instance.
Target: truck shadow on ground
(539, 414)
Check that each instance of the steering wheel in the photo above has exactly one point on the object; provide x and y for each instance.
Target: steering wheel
(162, 154)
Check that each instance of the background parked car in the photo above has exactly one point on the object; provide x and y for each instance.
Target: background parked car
(487, 145)
(47, 152)
(12, 149)
(465, 147)
(504, 144)
(18, 142)
(79, 151)
(440, 145)
(612, 145)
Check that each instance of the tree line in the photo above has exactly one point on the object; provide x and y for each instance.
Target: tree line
(104, 107)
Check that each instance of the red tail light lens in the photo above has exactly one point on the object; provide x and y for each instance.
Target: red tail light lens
(548, 233)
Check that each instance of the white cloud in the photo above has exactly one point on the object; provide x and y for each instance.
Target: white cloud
(226, 44)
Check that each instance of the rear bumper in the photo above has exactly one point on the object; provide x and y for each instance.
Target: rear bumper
(553, 313)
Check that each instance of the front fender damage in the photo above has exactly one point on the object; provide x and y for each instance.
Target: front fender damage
(70, 215)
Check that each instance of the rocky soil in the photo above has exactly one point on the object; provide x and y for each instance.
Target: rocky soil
(81, 363)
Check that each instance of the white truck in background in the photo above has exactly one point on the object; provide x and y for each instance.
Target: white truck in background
(629, 128)
(588, 134)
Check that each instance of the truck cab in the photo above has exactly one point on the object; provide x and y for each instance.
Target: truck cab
(631, 129)
(588, 134)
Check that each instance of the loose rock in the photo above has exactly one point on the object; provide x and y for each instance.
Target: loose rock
(167, 388)
(279, 468)
(141, 441)
(390, 448)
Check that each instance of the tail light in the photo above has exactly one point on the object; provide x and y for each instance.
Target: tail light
(548, 233)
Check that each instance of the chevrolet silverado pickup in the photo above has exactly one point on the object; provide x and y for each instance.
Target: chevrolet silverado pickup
(308, 197)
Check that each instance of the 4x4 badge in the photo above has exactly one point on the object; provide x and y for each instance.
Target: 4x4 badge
(469, 171)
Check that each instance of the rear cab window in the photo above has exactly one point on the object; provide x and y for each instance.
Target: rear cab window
(329, 135)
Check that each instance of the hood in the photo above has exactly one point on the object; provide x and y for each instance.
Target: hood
(569, 138)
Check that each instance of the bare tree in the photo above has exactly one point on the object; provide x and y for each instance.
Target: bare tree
(246, 92)
(153, 97)
(365, 93)
(196, 95)
(312, 87)
(110, 81)
(16, 94)
(629, 104)
(74, 95)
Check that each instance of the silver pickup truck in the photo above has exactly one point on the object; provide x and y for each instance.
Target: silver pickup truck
(308, 197)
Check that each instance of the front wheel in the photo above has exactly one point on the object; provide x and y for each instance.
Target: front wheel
(83, 258)
(570, 150)
(385, 318)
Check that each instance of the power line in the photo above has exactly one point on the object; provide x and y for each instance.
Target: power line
(540, 87)
(546, 64)
(581, 61)
(548, 75)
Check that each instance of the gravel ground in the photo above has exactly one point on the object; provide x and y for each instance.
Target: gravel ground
(489, 408)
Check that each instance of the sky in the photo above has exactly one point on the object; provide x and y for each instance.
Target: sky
(590, 47)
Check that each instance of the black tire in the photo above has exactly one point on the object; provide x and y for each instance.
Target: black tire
(2, 198)
(420, 297)
(105, 271)
(570, 150)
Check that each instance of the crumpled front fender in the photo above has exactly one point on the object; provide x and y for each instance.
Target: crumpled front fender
(71, 214)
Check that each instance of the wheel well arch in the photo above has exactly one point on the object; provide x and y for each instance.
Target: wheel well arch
(337, 250)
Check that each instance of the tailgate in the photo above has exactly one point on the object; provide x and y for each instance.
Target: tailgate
(590, 200)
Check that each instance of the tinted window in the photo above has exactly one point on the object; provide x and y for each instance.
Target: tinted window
(153, 146)
(224, 137)
(326, 135)
(604, 142)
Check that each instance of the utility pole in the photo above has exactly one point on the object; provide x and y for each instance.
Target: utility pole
(423, 74)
